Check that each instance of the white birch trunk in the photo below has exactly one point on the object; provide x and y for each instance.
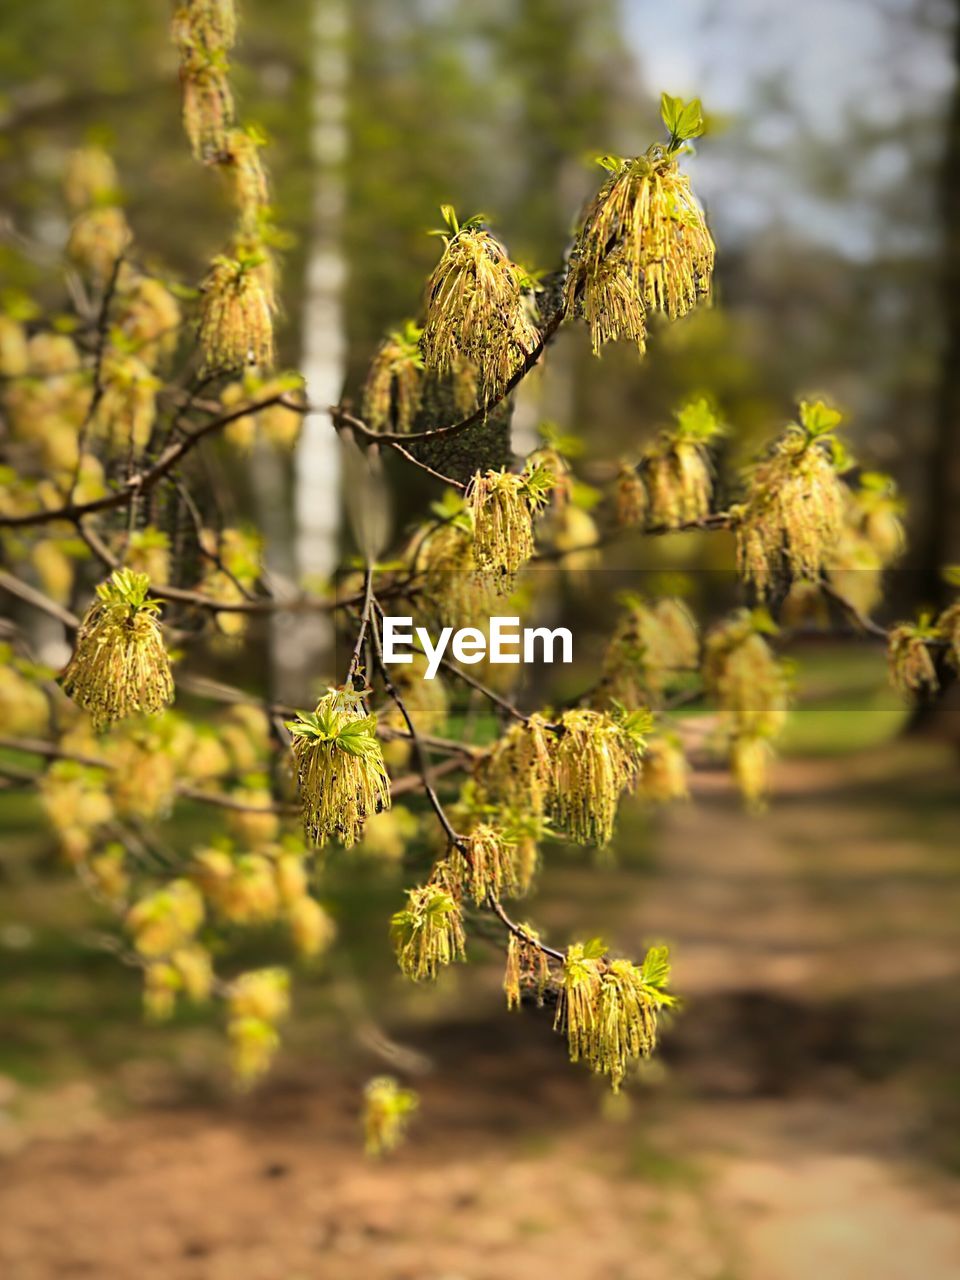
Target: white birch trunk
(303, 643)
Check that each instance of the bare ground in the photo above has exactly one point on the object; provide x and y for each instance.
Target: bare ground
(803, 1124)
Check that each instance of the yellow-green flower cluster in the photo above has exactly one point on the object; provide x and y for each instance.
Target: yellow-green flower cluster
(204, 31)
(477, 309)
(793, 517)
(236, 318)
(394, 384)
(257, 1001)
(665, 771)
(247, 177)
(454, 592)
(503, 505)
(517, 771)
(644, 243)
(387, 1109)
(909, 657)
(651, 647)
(128, 406)
(76, 805)
(340, 768)
(489, 870)
(630, 497)
(428, 932)
(609, 1009)
(236, 322)
(871, 540)
(677, 470)
(597, 757)
(119, 664)
(527, 966)
(752, 687)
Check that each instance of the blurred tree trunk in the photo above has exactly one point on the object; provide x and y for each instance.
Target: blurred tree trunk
(303, 643)
(943, 543)
(941, 716)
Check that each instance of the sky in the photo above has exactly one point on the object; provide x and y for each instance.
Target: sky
(824, 63)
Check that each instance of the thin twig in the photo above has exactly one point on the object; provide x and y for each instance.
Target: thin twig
(342, 417)
(141, 481)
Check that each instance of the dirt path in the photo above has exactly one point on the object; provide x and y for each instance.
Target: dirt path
(794, 1133)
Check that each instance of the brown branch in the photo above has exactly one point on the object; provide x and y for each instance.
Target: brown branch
(30, 595)
(102, 330)
(141, 481)
(51, 751)
(341, 417)
(437, 475)
(850, 609)
(456, 840)
(364, 623)
(224, 801)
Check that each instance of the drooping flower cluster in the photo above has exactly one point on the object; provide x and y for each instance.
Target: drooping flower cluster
(204, 31)
(477, 309)
(387, 1110)
(76, 805)
(340, 768)
(239, 294)
(752, 688)
(665, 770)
(644, 243)
(503, 505)
(609, 1009)
(455, 593)
(119, 665)
(236, 319)
(792, 519)
(518, 770)
(652, 646)
(394, 384)
(527, 966)
(257, 1002)
(428, 932)
(597, 757)
(630, 497)
(677, 470)
(127, 408)
(246, 175)
(488, 867)
(871, 540)
(909, 658)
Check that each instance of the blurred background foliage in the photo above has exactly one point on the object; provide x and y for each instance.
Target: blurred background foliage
(817, 945)
(822, 170)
